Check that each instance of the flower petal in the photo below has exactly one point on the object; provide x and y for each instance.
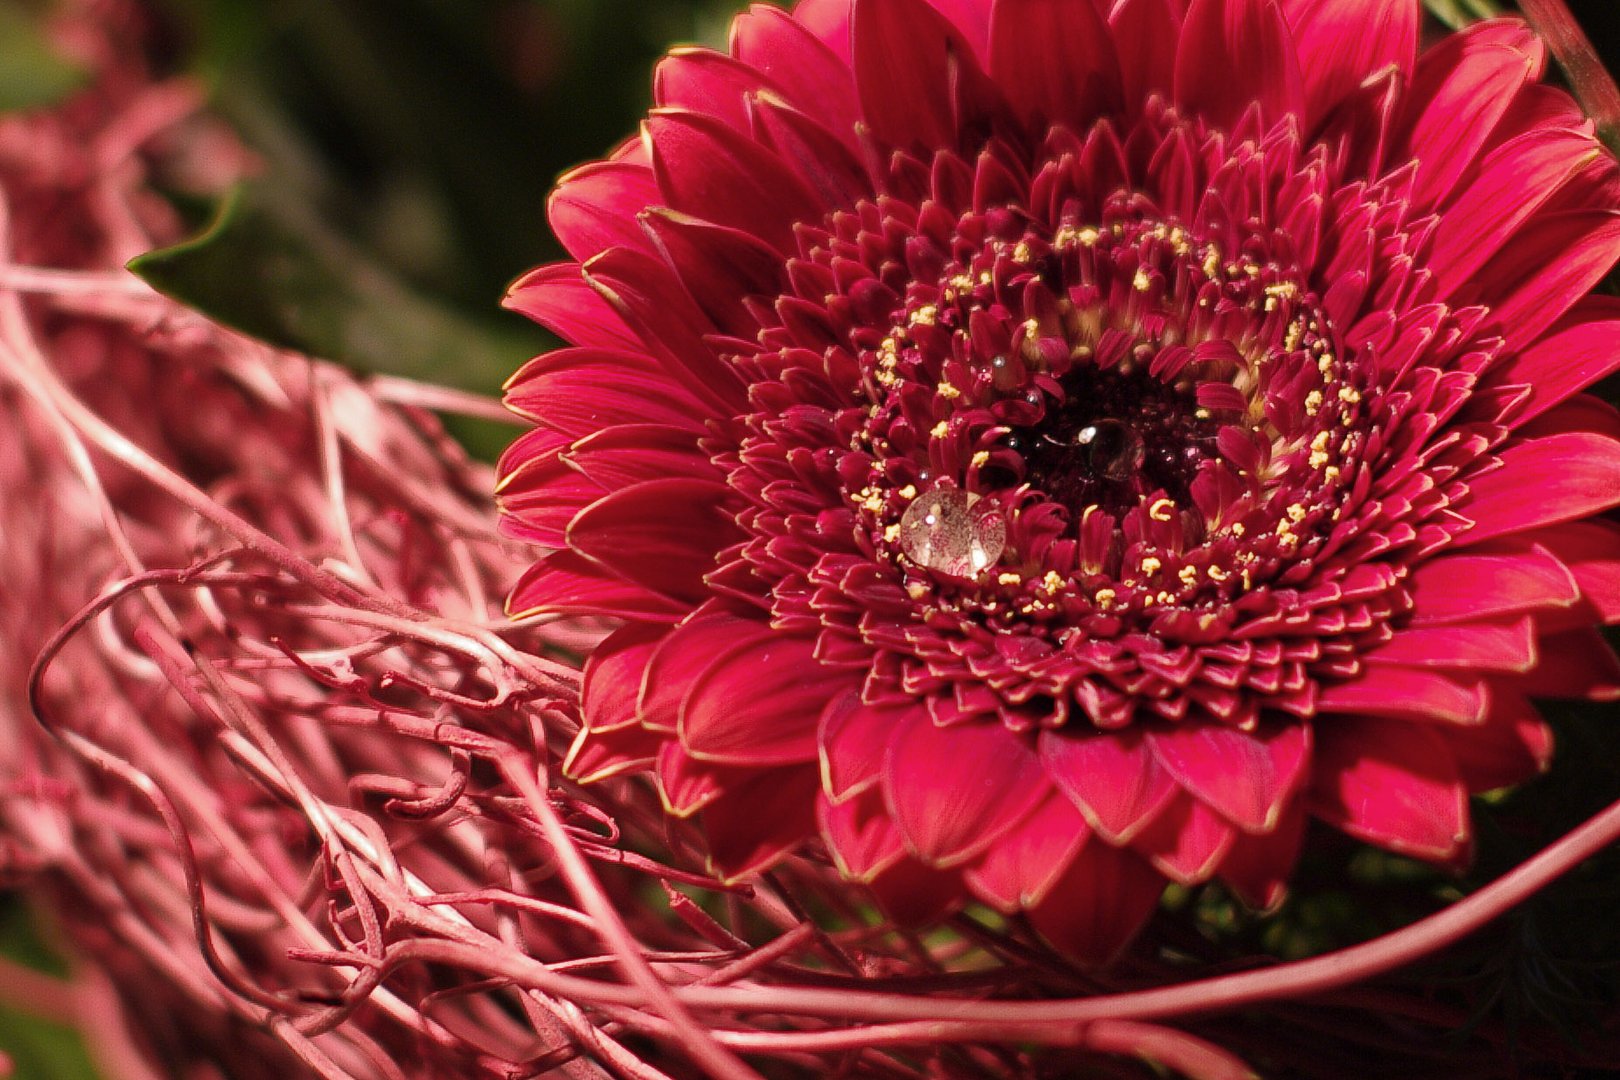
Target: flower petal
(564, 583)
(700, 80)
(581, 391)
(1019, 870)
(1465, 588)
(1409, 694)
(685, 784)
(1460, 90)
(1576, 665)
(632, 453)
(1246, 776)
(1544, 270)
(1591, 551)
(720, 267)
(1257, 868)
(860, 834)
(1112, 777)
(597, 755)
(1343, 42)
(1145, 34)
(558, 298)
(607, 694)
(955, 791)
(1543, 482)
(904, 51)
(1513, 746)
(662, 534)
(1234, 53)
(1187, 842)
(1099, 904)
(854, 740)
(1507, 646)
(594, 207)
(757, 703)
(1581, 350)
(1515, 180)
(757, 821)
(707, 170)
(809, 74)
(683, 653)
(1055, 61)
(1391, 784)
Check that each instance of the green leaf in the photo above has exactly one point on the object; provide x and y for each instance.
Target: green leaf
(32, 73)
(1459, 13)
(38, 1049)
(272, 271)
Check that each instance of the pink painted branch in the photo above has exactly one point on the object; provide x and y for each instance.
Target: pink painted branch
(693, 1037)
(1291, 981)
(1593, 85)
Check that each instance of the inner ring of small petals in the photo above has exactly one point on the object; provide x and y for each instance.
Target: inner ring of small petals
(1116, 412)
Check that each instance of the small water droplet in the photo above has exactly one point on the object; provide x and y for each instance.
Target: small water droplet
(1005, 376)
(1114, 450)
(942, 530)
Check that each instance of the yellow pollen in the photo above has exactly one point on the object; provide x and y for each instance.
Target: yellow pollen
(926, 315)
(917, 590)
(1296, 513)
(1331, 472)
(1052, 582)
(1105, 597)
(1325, 364)
(1150, 565)
(1009, 579)
(1349, 395)
(1162, 510)
(947, 391)
(1217, 574)
(985, 278)
(1313, 403)
(1166, 598)
(1088, 236)
(1021, 253)
(940, 430)
(1319, 458)
(1032, 328)
(891, 533)
(1142, 281)
(1188, 575)
(1238, 529)
(961, 281)
(908, 492)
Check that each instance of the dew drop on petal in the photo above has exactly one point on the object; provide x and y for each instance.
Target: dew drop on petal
(1113, 449)
(942, 531)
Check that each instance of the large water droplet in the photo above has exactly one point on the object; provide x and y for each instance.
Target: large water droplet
(1113, 449)
(943, 530)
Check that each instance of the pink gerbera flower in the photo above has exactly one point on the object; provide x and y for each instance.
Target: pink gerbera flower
(1041, 449)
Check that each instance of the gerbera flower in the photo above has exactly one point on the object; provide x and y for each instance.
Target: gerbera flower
(1045, 449)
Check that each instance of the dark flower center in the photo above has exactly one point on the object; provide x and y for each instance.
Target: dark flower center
(1115, 438)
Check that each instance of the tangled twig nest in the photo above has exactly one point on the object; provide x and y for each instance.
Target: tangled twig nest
(283, 774)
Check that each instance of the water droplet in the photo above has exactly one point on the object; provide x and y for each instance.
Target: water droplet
(942, 530)
(1114, 450)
